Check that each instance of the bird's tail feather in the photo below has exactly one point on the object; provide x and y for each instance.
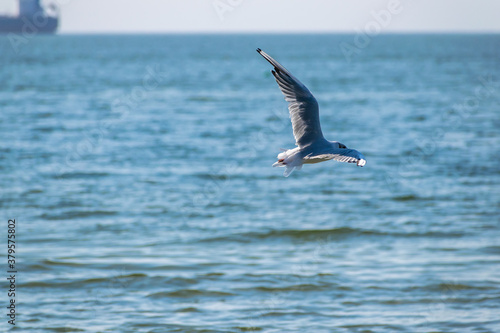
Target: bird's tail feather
(290, 160)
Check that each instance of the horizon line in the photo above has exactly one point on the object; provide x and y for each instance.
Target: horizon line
(298, 32)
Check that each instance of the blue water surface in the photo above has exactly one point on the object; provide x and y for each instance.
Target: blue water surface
(138, 169)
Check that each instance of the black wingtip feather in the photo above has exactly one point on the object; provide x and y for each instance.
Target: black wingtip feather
(259, 50)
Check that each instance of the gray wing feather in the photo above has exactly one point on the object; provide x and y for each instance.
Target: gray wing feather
(341, 155)
(303, 107)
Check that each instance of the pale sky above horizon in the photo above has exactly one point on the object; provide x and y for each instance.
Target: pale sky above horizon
(157, 16)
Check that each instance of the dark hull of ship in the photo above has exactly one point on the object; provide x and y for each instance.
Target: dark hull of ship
(23, 25)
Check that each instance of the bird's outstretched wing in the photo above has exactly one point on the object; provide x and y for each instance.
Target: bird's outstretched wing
(303, 107)
(341, 155)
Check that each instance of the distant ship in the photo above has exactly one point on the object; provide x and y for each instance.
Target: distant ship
(32, 18)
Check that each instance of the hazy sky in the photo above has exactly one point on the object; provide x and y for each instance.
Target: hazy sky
(80, 16)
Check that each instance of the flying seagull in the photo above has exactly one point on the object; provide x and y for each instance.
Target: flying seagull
(304, 112)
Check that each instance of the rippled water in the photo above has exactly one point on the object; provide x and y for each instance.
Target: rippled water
(138, 169)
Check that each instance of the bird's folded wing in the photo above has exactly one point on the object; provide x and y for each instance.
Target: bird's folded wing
(303, 107)
(341, 155)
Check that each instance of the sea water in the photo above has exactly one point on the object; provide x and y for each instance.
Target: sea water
(138, 171)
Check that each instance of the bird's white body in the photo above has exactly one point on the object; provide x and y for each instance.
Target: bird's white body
(304, 111)
(293, 159)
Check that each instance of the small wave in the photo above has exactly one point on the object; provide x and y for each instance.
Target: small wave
(285, 278)
(337, 192)
(176, 268)
(461, 286)
(46, 240)
(450, 298)
(315, 234)
(417, 118)
(44, 129)
(188, 309)
(227, 204)
(82, 175)
(292, 313)
(201, 99)
(366, 328)
(118, 280)
(301, 287)
(187, 293)
(209, 176)
(33, 191)
(403, 198)
(248, 328)
(73, 214)
(213, 274)
(451, 287)
(36, 284)
(36, 267)
(63, 329)
(61, 263)
(44, 115)
(293, 233)
(66, 204)
(490, 249)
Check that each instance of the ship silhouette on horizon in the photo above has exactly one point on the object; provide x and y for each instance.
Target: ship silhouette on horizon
(32, 18)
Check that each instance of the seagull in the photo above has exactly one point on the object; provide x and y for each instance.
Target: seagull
(304, 112)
